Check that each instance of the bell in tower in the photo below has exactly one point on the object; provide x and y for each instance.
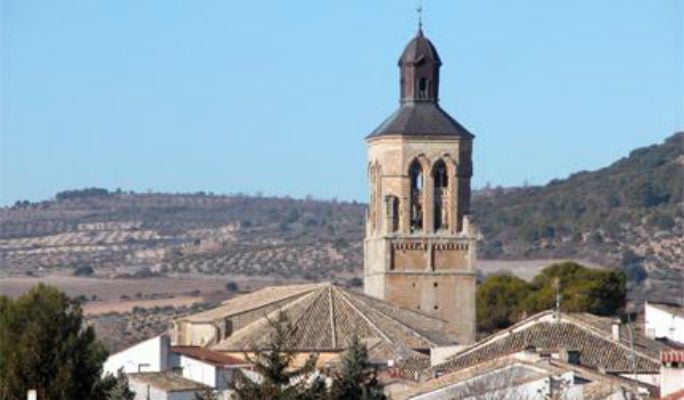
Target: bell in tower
(419, 250)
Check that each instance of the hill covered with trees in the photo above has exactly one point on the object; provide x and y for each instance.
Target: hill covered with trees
(628, 215)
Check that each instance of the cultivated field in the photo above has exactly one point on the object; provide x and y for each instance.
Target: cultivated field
(127, 291)
(104, 307)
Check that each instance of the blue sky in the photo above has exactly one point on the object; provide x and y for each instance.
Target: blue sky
(276, 97)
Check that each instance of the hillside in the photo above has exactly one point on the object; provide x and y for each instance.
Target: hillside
(189, 233)
(628, 215)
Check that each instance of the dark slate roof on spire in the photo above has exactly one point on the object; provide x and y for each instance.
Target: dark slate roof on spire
(418, 49)
(421, 119)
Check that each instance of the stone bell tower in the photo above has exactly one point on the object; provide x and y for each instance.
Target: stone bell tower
(419, 251)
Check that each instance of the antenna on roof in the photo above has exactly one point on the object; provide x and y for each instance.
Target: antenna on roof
(557, 310)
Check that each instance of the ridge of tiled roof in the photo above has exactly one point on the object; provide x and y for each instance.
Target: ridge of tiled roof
(324, 319)
(597, 348)
(262, 298)
(420, 119)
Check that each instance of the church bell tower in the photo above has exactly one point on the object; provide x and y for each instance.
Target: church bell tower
(419, 251)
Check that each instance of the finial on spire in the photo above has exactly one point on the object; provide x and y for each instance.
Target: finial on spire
(420, 17)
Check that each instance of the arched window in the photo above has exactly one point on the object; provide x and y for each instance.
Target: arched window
(422, 88)
(416, 176)
(440, 175)
(440, 178)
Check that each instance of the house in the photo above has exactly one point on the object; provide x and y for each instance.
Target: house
(151, 355)
(176, 372)
(664, 321)
(598, 343)
(526, 375)
(211, 368)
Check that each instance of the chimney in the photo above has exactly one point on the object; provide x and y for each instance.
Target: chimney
(671, 371)
(615, 330)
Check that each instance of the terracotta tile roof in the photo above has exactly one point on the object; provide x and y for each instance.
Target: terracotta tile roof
(211, 357)
(672, 356)
(573, 332)
(167, 381)
(326, 316)
(252, 301)
(512, 370)
(630, 334)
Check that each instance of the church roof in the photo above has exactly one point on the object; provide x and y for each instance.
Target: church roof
(420, 119)
(589, 334)
(324, 318)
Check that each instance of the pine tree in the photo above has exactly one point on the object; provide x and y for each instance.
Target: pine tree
(45, 346)
(356, 379)
(280, 379)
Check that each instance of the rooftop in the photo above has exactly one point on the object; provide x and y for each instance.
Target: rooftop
(512, 370)
(421, 119)
(589, 335)
(211, 357)
(325, 317)
(167, 381)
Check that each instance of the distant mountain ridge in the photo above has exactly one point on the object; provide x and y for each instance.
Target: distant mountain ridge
(628, 215)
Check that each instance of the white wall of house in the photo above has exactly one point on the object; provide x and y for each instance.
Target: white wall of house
(148, 356)
(671, 379)
(198, 371)
(220, 378)
(660, 323)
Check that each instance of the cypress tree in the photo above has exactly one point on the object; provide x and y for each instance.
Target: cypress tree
(356, 379)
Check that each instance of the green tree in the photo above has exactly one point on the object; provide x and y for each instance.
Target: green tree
(499, 301)
(597, 291)
(502, 299)
(44, 346)
(356, 379)
(281, 380)
(119, 388)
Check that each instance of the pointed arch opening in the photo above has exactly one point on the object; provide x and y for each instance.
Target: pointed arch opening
(417, 183)
(440, 178)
